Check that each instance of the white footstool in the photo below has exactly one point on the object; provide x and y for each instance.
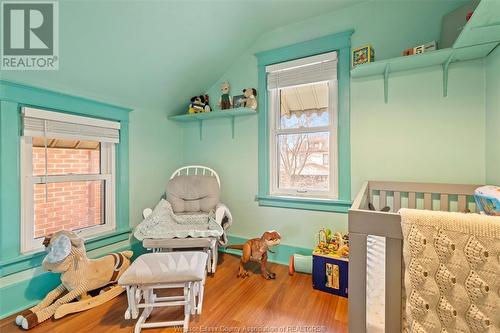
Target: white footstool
(186, 270)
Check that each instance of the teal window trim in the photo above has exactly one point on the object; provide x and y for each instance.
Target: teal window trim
(340, 42)
(12, 97)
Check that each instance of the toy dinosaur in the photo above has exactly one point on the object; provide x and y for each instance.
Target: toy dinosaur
(256, 250)
(79, 275)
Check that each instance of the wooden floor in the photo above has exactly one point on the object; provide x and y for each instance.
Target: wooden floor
(288, 304)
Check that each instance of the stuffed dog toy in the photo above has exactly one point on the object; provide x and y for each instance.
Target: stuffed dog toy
(250, 101)
(79, 275)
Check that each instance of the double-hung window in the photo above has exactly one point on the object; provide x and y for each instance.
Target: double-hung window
(302, 110)
(67, 175)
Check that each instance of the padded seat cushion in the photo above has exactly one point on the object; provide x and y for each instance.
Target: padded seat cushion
(171, 267)
(188, 194)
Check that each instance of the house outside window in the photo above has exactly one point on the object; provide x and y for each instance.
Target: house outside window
(67, 175)
(302, 104)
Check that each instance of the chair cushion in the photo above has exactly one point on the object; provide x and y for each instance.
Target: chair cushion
(189, 194)
(171, 267)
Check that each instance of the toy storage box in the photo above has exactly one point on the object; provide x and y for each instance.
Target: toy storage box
(330, 274)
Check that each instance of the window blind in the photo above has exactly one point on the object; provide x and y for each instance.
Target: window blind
(58, 125)
(302, 71)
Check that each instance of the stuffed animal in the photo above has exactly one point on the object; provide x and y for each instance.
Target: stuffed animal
(197, 104)
(225, 101)
(207, 104)
(249, 101)
(79, 275)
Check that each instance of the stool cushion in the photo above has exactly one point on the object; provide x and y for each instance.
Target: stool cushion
(171, 267)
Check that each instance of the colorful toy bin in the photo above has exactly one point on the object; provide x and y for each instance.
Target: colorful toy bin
(488, 200)
(330, 274)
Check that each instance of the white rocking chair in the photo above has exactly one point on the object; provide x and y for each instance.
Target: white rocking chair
(209, 244)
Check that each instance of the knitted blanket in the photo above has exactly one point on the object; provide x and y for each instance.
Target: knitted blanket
(452, 271)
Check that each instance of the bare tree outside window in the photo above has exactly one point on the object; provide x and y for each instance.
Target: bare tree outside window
(302, 162)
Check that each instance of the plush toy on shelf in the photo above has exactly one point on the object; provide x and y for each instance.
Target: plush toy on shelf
(225, 101)
(250, 100)
(199, 104)
(79, 276)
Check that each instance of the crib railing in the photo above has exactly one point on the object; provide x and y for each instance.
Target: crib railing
(364, 222)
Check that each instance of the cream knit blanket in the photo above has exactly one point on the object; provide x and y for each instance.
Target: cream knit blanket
(452, 271)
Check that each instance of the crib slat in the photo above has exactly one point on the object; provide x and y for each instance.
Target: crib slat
(382, 200)
(428, 201)
(397, 201)
(462, 201)
(357, 283)
(393, 306)
(412, 200)
(444, 203)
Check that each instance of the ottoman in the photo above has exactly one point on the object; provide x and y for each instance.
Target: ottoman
(186, 270)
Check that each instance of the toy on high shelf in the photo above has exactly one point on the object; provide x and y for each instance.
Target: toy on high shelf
(431, 46)
(335, 245)
(362, 55)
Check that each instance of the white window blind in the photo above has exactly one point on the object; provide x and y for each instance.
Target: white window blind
(50, 124)
(297, 72)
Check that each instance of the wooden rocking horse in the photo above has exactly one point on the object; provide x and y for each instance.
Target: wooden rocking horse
(79, 276)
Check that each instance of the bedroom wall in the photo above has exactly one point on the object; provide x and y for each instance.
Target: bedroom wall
(418, 136)
(492, 69)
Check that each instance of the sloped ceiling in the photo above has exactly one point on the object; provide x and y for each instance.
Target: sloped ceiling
(156, 54)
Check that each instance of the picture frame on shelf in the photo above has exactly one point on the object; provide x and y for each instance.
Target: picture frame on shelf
(238, 101)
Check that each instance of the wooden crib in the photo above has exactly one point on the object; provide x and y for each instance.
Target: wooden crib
(364, 222)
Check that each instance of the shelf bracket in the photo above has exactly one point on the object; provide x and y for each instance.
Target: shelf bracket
(446, 66)
(232, 126)
(200, 127)
(386, 83)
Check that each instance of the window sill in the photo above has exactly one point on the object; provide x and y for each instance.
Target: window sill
(325, 205)
(31, 260)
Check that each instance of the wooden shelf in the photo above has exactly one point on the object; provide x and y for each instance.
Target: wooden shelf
(478, 38)
(201, 117)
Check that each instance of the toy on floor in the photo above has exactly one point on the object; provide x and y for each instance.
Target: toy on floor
(488, 200)
(300, 263)
(199, 104)
(335, 245)
(249, 101)
(256, 250)
(225, 101)
(79, 275)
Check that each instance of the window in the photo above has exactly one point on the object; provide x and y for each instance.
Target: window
(302, 104)
(68, 175)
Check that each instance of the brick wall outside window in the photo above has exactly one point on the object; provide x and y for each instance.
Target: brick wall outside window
(67, 205)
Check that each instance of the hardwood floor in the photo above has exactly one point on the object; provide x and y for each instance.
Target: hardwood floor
(287, 304)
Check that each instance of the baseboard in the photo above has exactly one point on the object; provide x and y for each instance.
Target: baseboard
(24, 293)
(282, 252)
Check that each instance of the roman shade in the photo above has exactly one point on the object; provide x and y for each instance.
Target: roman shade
(317, 68)
(49, 124)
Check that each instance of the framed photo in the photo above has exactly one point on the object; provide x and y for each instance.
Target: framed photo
(238, 101)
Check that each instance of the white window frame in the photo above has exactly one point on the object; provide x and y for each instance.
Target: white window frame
(275, 131)
(108, 166)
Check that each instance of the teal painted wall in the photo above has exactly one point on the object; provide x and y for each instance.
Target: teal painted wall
(418, 136)
(492, 69)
